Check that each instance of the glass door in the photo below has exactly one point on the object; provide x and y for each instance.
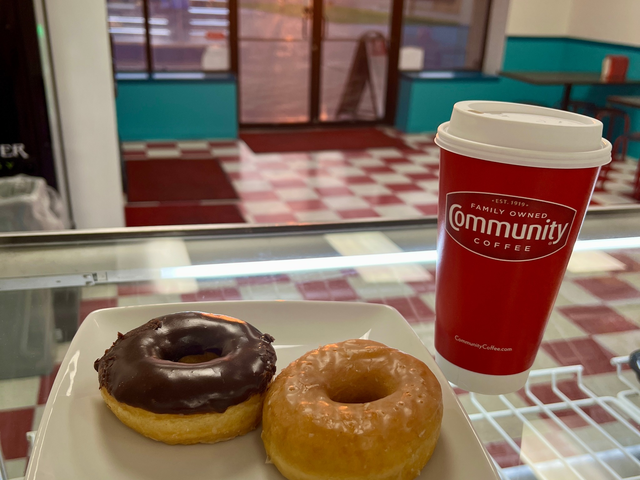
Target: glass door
(313, 61)
(355, 39)
(274, 50)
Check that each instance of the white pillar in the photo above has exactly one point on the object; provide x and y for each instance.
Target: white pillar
(81, 58)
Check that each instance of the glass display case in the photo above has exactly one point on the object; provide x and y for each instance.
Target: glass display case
(578, 417)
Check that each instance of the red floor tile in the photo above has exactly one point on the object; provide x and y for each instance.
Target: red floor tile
(608, 288)
(360, 213)
(264, 279)
(358, 180)
(630, 264)
(423, 287)
(421, 176)
(46, 382)
(544, 392)
(383, 200)
(381, 169)
(138, 155)
(413, 309)
(404, 187)
(333, 191)
(595, 319)
(181, 214)
(394, 160)
(177, 180)
(307, 205)
(292, 183)
(213, 295)
(581, 351)
(229, 159)
(228, 144)
(427, 209)
(335, 290)
(14, 425)
(245, 175)
(88, 306)
(504, 455)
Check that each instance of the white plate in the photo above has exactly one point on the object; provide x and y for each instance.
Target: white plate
(79, 438)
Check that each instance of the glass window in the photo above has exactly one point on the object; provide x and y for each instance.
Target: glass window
(186, 35)
(444, 34)
(127, 27)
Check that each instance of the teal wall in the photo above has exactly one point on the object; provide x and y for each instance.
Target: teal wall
(424, 103)
(177, 109)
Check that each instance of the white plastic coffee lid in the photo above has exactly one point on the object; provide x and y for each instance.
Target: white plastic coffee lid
(524, 135)
(481, 382)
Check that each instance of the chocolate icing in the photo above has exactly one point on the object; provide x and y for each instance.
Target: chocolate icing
(141, 368)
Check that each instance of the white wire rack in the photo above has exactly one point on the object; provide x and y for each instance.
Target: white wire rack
(580, 436)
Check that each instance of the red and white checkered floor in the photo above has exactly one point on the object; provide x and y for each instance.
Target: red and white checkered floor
(339, 185)
(597, 317)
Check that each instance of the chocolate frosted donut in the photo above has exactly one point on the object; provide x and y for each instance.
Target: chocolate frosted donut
(187, 364)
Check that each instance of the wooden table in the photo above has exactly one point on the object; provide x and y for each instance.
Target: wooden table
(566, 79)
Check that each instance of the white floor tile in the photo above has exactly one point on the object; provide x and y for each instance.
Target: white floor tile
(19, 392)
(99, 291)
(409, 168)
(366, 162)
(430, 185)
(345, 203)
(390, 178)
(346, 171)
(611, 199)
(385, 152)
(317, 216)
(292, 194)
(324, 182)
(418, 198)
(163, 153)
(370, 189)
(16, 467)
(328, 155)
(252, 186)
(225, 151)
(194, 145)
(270, 291)
(134, 146)
(399, 211)
(266, 207)
(620, 343)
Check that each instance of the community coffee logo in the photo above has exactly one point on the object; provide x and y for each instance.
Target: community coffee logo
(507, 228)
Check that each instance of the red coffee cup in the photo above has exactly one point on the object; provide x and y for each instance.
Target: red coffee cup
(515, 183)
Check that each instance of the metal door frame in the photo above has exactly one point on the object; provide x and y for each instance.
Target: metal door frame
(315, 81)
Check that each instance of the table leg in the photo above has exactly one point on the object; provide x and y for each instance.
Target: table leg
(566, 95)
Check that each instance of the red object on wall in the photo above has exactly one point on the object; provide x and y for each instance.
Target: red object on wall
(614, 68)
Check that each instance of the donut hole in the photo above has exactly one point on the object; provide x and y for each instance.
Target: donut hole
(199, 358)
(194, 354)
(361, 389)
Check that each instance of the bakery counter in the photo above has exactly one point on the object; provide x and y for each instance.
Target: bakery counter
(577, 417)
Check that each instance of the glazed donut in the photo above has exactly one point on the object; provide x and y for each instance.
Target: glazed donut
(352, 410)
(188, 377)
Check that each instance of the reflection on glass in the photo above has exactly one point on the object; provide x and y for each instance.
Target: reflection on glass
(354, 59)
(194, 36)
(126, 26)
(449, 33)
(274, 81)
(185, 35)
(274, 61)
